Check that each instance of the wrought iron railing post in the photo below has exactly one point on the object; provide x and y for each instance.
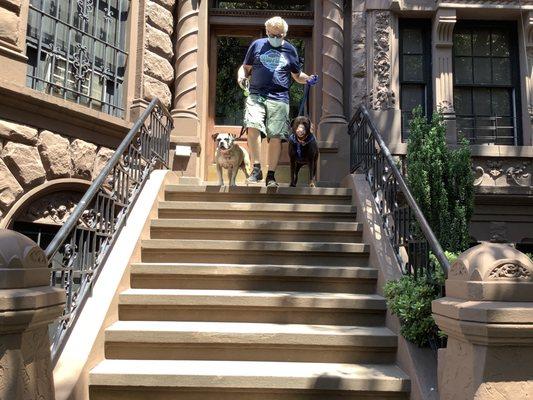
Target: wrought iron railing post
(403, 221)
(78, 250)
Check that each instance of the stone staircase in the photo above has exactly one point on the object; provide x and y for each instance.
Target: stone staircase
(249, 293)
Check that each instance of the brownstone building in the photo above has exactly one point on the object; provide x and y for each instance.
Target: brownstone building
(75, 75)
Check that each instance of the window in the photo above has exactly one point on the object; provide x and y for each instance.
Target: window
(415, 70)
(294, 5)
(485, 82)
(75, 51)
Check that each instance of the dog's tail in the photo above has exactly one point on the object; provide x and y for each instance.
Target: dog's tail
(246, 165)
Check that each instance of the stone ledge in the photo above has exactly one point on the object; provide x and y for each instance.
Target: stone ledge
(60, 116)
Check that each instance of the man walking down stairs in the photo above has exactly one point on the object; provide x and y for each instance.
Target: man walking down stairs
(251, 293)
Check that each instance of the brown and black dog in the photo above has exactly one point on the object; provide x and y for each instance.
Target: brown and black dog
(303, 150)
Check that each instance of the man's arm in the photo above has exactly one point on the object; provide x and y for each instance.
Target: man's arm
(244, 72)
(301, 77)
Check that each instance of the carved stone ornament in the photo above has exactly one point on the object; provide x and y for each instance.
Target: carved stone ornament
(19, 251)
(510, 271)
(381, 96)
(52, 209)
(502, 172)
(519, 176)
(458, 270)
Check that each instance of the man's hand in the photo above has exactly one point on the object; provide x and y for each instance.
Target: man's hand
(312, 80)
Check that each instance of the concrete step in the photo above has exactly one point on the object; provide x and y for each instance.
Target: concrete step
(263, 211)
(292, 231)
(252, 306)
(239, 380)
(171, 340)
(256, 252)
(298, 195)
(253, 277)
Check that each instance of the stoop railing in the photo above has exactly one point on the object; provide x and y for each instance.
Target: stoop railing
(83, 242)
(403, 221)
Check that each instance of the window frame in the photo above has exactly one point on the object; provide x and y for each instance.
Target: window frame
(514, 55)
(424, 25)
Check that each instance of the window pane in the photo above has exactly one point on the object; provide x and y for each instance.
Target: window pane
(465, 127)
(462, 100)
(501, 102)
(462, 43)
(481, 43)
(412, 96)
(482, 70)
(482, 101)
(501, 71)
(500, 43)
(463, 70)
(413, 68)
(412, 41)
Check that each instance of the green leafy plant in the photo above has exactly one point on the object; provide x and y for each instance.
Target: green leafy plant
(441, 180)
(410, 298)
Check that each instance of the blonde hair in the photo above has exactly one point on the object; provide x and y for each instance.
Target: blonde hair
(277, 23)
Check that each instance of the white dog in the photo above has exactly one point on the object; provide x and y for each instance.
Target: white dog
(229, 155)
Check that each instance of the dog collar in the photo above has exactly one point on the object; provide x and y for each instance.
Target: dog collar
(299, 145)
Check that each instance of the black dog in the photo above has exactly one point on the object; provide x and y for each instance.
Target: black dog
(303, 150)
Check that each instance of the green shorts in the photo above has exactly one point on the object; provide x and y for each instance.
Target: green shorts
(270, 117)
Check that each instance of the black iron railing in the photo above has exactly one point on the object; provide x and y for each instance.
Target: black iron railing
(403, 222)
(83, 242)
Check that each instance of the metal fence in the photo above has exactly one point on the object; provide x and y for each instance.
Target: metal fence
(403, 222)
(83, 242)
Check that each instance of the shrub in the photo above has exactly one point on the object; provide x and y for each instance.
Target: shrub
(441, 180)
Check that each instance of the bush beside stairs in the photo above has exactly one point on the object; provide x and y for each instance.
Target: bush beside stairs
(251, 293)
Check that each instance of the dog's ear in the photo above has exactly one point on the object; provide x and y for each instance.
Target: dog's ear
(234, 136)
(214, 136)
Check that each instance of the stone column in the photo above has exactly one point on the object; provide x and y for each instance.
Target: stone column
(332, 126)
(488, 317)
(186, 133)
(442, 42)
(528, 34)
(27, 305)
(13, 20)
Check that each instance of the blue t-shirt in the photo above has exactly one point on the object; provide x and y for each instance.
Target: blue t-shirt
(271, 69)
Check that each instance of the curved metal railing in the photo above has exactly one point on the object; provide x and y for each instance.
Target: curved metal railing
(83, 242)
(403, 221)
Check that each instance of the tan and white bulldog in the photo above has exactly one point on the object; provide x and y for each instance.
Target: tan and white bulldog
(229, 155)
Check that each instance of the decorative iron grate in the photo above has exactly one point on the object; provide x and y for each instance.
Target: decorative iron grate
(83, 242)
(403, 221)
(76, 51)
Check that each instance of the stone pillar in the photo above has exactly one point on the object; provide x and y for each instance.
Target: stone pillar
(332, 126)
(442, 42)
(13, 20)
(528, 34)
(186, 133)
(488, 317)
(27, 305)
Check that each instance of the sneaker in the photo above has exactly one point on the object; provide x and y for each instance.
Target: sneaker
(272, 183)
(255, 176)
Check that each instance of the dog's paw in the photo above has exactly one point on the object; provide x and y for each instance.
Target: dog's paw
(312, 184)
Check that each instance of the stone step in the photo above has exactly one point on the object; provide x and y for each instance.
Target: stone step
(253, 277)
(256, 252)
(171, 340)
(239, 380)
(252, 306)
(247, 211)
(292, 231)
(297, 195)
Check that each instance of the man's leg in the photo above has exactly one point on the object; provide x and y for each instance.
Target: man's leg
(277, 126)
(274, 153)
(254, 145)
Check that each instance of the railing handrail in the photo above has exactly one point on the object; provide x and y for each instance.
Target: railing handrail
(424, 225)
(96, 184)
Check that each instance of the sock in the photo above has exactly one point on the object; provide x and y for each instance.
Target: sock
(270, 176)
(257, 166)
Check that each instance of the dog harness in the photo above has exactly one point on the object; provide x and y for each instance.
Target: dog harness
(299, 145)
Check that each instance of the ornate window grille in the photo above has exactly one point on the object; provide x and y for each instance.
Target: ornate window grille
(76, 51)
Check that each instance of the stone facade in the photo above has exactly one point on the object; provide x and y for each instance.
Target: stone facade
(158, 72)
(30, 157)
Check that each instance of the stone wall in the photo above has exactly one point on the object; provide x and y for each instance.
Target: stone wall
(359, 61)
(30, 157)
(158, 72)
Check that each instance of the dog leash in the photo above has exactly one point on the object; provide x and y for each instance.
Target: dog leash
(304, 104)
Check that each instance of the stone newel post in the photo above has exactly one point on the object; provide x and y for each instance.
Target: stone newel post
(488, 317)
(27, 305)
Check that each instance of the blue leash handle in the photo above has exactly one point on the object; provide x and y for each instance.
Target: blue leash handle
(304, 104)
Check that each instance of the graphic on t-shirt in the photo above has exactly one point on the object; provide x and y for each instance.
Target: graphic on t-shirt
(273, 60)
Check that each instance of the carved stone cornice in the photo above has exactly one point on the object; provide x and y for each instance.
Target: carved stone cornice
(254, 13)
(443, 25)
(502, 172)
